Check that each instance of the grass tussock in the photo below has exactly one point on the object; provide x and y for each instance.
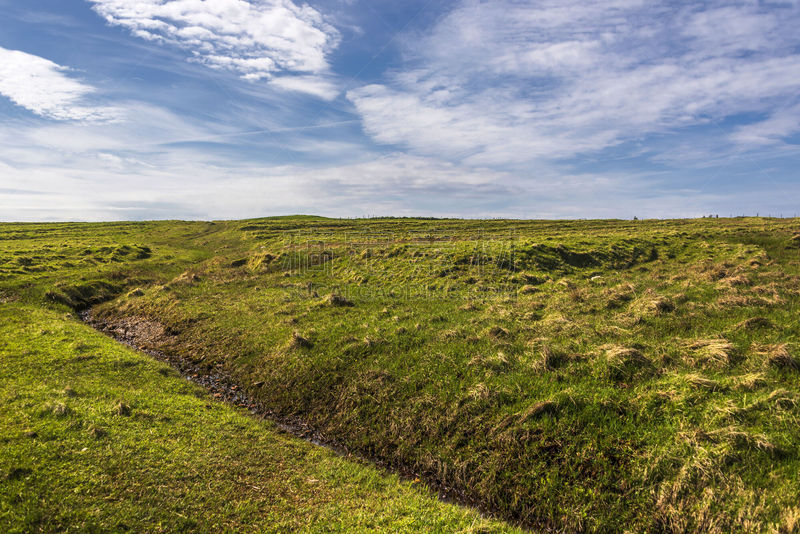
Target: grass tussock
(711, 352)
(755, 323)
(778, 356)
(619, 295)
(698, 381)
(750, 381)
(186, 278)
(550, 358)
(625, 363)
(496, 362)
(498, 332)
(652, 305)
(537, 410)
(297, 341)
(337, 301)
(528, 289)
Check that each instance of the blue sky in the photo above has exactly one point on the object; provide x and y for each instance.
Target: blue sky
(143, 109)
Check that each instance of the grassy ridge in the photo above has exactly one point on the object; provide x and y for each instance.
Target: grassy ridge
(575, 375)
(96, 437)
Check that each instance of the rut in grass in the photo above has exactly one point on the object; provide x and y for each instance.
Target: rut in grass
(140, 334)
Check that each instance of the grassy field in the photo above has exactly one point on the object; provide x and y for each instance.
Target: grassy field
(569, 375)
(95, 437)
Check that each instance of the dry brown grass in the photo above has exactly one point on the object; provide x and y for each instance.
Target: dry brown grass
(701, 382)
(711, 352)
(185, 278)
(754, 323)
(659, 306)
(620, 355)
(299, 342)
(619, 295)
(790, 521)
(528, 289)
(736, 299)
(741, 440)
(733, 281)
(623, 363)
(498, 332)
(337, 300)
(779, 356)
(549, 358)
(538, 409)
(494, 362)
(750, 382)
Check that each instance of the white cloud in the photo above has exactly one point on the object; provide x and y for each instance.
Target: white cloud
(782, 123)
(71, 172)
(508, 82)
(256, 39)
(47, 89)
(313, 85)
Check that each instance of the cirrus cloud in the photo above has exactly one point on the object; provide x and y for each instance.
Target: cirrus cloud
(519, 83)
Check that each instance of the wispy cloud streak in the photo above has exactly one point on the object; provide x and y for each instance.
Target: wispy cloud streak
(512, 82)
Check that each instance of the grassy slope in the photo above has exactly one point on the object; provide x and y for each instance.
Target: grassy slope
(574, 375)
(94, 436)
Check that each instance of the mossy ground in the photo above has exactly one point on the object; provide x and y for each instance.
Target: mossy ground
(570, 375)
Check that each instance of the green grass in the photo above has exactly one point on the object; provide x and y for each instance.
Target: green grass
(97, 437)
(568, 375)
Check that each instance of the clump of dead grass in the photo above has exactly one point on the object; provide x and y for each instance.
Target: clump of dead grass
(749, 382)
(754, 323)
(619, 295)
(736, 299)
(733, 281)
(623, 363)
(550, 358)
(538, 409)
(779, 356)
(337, 301)
(496, 362)
(650, 304)
(185, 278)
(299, 342)
(711, 352)
(700, 382)
(498, 332)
